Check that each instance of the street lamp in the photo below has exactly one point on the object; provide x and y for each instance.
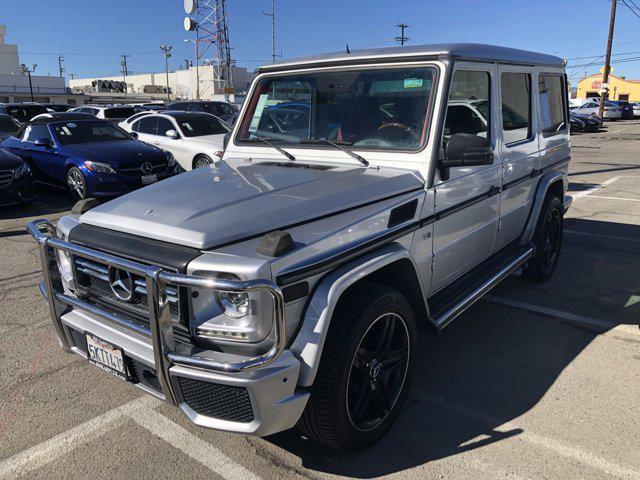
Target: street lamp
(187, 40)
(166, 51)
(24, 69)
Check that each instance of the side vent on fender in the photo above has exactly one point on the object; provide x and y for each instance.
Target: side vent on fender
(402, 213)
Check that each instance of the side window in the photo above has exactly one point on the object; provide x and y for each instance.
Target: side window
(552, 103)
(469, 110)
(146, 125)
(516, 106)
(35, 132)
(164, 124)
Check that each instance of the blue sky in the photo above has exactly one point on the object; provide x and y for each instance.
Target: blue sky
(90, 34)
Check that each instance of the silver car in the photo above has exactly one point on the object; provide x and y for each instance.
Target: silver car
(283, 286)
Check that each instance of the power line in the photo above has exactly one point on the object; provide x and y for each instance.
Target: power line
(631, 9)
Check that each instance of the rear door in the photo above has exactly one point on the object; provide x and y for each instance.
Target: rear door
(466, 204)
(519, 154)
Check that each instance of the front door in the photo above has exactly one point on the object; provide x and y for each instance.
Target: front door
(467, 202)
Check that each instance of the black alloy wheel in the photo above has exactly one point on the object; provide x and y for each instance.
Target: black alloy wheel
(547, 240)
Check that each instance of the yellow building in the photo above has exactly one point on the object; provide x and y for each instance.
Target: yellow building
(619, 88)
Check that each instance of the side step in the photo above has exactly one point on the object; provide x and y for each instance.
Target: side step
(451, 301)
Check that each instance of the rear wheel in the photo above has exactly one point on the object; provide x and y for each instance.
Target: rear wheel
(201, 161)
(365, 370)
(76, 184)
(547, 240)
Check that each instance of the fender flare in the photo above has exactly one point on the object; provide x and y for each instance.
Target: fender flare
(309, 342)
(545, 183)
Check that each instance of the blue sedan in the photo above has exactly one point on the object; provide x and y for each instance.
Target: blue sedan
(88, 156)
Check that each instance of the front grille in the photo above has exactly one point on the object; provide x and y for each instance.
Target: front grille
(136, 168)
(225, 402)
(92, 279)
(5, 177)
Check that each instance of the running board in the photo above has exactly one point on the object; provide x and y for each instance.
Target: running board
(448, 303)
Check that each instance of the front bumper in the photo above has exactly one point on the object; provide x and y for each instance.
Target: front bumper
(255, 395)
(105, 185)
(18, 191)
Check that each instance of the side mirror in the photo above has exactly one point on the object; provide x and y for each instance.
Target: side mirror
(225, 140)
(43, 142)
(467, 150)
(172, 134)
(134, 135)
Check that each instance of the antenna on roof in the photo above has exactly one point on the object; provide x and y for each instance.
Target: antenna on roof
(348, 51)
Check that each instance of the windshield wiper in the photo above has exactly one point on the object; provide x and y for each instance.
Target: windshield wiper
(273, 145)
(339, 146)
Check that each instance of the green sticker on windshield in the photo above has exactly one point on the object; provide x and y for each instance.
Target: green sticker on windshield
(412, 82)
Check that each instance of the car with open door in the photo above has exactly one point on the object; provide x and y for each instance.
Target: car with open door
(283, 286)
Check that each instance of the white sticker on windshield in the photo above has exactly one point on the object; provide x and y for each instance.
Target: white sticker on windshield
(66, 130)
(255, 121)
(412, 83)
(188, 126)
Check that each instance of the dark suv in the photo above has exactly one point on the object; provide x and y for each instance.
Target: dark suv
(223, 110)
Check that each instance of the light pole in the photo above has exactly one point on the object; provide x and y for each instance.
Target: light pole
(24, 69)
(187, 40)
(166, 50)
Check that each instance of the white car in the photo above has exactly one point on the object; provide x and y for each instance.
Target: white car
(107, 112)
(636, 109)
(126, 123)
(195, 139)
(592, 107)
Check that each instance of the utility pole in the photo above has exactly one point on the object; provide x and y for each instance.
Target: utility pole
(60, 67)
(24, 69)
(607, 60)
(125, 71)
(402, 39)
(272, 14)
(166, 51)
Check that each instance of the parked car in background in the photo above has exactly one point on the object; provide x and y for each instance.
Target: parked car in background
(16, 180)
(590, 123)
(57, 107)
(577, 125)
(112, 113)
(144, 107)
(8, 126)
(88, 156)
(195, 139)
(127, 121)
(225, 111)
(636, 109)
(611, 110)
(625, 108)
(23, 112)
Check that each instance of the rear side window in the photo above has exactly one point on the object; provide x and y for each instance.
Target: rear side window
(552, 103)
(146, 125)
(516, 106)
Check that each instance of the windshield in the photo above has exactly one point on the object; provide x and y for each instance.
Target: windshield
(8, 125)
(24, 113)
(382, 109)
(201, 125)
(70, 133)
(120, 112)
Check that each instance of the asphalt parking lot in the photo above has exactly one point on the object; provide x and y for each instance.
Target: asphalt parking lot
(536, 381)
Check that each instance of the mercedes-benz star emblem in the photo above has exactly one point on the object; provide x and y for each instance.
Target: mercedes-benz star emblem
(147, 168)
(121, 283)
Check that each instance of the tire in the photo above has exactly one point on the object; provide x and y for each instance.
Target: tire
(201, 160)
(356, 396)
(547, 239)
(76, 184)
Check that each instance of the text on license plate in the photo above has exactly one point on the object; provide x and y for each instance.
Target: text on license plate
(105, 356)
(147, 179)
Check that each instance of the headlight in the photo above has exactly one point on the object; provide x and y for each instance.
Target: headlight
(98, 167)
(21, 170)
(235, 305)
(171, 161)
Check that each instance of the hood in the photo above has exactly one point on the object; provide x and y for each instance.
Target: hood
(236, 199)
(115, 153)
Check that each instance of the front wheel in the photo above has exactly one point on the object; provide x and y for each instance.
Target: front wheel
(201, 161)
(547, 240)
(365, 371)
(76, 184)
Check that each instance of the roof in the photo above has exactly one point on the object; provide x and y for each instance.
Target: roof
(462, 51)
(45, 118)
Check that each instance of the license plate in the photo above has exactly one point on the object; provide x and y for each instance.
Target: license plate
(106, 356)
(147, 179)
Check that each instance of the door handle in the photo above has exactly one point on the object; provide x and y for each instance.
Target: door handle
(493, 190)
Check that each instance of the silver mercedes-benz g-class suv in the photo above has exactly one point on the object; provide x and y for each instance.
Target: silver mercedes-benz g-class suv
(362, 194)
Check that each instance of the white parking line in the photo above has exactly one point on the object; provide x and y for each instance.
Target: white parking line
(601, 235)
(584, 458)
(595, 188)
(572, 317)
(615, 198)
(47, 451)
(194, 447)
